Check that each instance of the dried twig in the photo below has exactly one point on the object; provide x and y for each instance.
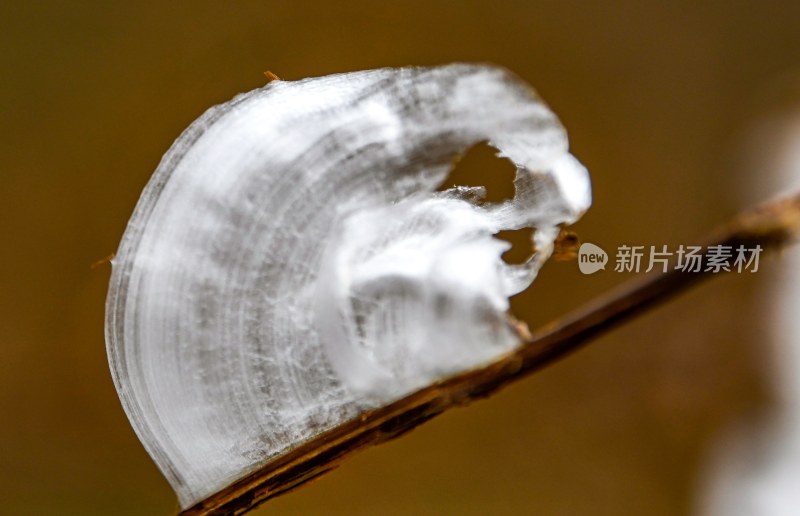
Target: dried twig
(770, 226)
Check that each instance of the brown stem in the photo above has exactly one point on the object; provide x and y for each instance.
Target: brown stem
(770, 226)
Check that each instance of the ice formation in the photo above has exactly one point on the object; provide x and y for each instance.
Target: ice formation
(290, 264)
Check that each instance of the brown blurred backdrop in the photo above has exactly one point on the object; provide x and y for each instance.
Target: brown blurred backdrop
(657, 98)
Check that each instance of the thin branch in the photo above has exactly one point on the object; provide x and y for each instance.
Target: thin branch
(770, 226)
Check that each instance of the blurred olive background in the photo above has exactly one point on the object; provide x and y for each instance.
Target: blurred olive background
(657, 98)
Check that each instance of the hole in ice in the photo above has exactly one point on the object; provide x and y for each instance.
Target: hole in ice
(480, 167)
(521, 245)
